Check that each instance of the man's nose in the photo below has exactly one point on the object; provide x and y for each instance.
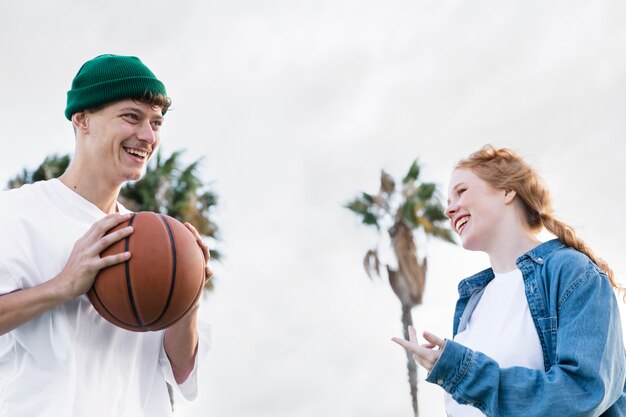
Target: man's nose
(146, 133)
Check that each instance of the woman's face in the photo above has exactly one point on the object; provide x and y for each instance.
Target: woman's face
(475, 210)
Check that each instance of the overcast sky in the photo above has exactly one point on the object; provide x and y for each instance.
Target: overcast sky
(295, 107)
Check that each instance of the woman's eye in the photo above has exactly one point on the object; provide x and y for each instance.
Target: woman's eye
(461, 191)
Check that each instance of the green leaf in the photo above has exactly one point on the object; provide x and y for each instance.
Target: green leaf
(408, 213)
(358, 206)
(413, 173)
(426, 191)
(435, 213)
(370, 219)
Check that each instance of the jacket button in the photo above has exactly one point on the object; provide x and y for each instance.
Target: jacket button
(440, 382)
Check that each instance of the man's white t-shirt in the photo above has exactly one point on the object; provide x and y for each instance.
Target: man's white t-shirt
(69, 361)
(502, 328)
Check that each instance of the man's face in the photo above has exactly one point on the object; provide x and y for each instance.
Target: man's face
(120, 139)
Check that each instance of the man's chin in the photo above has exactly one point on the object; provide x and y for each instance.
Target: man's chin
(131, 177)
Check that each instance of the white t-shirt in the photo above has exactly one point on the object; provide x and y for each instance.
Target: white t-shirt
(502, 328)
(69, 361)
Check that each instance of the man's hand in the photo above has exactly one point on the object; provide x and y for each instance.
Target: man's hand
(76, 278)
(85, 262)
(205, 250)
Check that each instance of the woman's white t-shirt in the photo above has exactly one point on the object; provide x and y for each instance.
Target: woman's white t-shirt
(502, 328)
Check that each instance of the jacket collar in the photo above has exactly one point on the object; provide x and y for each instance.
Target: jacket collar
(538, 254)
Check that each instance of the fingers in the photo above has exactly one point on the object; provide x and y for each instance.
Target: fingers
(109, 239)
(113, 259)
(110, 221)
(201, 243)
(405, 344)
(426, 354)
(102, 226)
(434, 340)
(205, 251)
(412, 335)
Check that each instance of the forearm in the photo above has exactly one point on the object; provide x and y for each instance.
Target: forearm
(475, 379)
(181, 344)
(18, 307)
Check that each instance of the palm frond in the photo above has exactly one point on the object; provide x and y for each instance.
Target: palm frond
(413, 174)
(364, 207)
(387, 183)
(371, 263)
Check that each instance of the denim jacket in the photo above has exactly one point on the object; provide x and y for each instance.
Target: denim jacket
(576, 315)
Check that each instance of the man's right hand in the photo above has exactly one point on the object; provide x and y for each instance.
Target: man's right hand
(85, 262)
(76, 277)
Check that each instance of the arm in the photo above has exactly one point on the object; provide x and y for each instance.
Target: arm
(587, 378)
(77, 276)
(180, 343)
(181, 340)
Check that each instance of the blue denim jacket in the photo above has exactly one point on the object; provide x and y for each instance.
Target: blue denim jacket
(575, 311)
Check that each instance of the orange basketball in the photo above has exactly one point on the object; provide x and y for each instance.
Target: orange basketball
(160, 282)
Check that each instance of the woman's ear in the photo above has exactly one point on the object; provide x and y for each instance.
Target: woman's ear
(509, 196)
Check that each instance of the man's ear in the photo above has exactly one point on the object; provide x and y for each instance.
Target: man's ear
(509, 196)
(80, 122)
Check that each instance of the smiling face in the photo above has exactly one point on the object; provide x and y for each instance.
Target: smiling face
(476, 210)
(118, 139)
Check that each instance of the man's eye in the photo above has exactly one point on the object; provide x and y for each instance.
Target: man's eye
(131, 116)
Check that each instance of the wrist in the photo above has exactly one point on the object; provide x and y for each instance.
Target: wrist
(59, 289)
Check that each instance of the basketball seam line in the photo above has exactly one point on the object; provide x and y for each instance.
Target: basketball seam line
(198, 293)
(106, 308)
(173, 279)
(131, 298)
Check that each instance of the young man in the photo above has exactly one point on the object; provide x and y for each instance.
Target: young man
(58, 357)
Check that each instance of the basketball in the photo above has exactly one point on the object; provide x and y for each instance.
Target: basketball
(160, 282)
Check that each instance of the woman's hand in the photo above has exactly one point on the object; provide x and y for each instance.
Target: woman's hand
(427, 354)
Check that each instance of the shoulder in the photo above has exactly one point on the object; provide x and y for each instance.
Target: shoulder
(567, 269)
(569, 260)
(25, 193)
(22, 203)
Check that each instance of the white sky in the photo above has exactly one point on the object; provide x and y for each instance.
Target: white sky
(295, 107)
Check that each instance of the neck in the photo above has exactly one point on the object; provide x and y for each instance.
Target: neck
(504, 254)
(102, 195)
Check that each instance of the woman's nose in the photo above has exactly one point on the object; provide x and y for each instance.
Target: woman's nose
(450, 210)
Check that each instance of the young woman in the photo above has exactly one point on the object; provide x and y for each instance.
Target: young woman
(538, 333)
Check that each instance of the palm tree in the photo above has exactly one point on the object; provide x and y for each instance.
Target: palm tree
(52, 167)
(405, 211)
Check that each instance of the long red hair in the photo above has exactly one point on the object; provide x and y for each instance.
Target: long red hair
(503, 169)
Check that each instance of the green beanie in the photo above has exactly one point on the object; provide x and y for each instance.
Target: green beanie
(108, 78)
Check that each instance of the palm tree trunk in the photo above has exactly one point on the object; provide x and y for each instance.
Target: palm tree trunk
(407, 320)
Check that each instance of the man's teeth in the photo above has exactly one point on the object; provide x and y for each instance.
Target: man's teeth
(461, 222)
(139, 153)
